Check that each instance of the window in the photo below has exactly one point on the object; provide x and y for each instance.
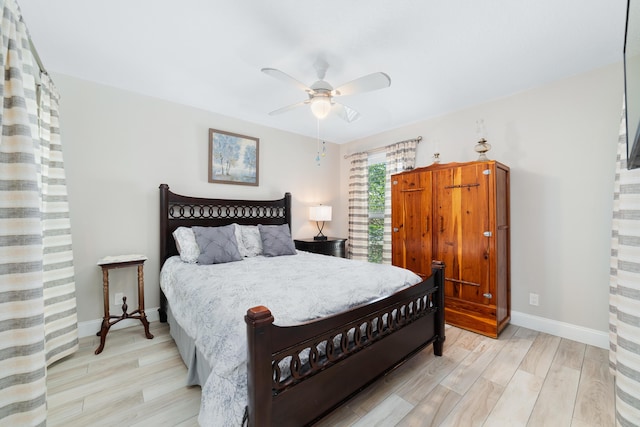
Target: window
(377, 175)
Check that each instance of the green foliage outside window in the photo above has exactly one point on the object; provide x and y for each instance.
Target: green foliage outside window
(376, 211)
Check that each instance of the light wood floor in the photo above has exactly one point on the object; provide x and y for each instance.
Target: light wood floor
(524, 378)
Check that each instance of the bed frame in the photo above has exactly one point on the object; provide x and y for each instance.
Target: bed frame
(359, 345)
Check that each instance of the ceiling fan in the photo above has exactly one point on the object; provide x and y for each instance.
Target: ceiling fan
(322, 95)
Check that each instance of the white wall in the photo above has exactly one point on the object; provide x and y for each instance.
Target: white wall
(120, 146)
(560, 143)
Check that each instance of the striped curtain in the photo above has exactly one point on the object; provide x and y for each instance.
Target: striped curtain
(624, 288)
(358, 243)
(400, 156)
(60, 318)
(37, 302)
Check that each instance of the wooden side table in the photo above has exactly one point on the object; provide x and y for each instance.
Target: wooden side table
(108, 263)
(334, 246)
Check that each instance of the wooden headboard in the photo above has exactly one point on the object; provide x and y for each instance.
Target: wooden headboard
(177, 210)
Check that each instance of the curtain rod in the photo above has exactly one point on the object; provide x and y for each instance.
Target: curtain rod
(34, 52)
(381, 149)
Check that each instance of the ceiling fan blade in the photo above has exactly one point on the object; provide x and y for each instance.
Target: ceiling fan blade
(366, 83)
(347, 114)
(288, 108)
(286, 78)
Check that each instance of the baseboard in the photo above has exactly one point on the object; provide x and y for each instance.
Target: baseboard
(537, 323)
(91, 327)
(561, 329)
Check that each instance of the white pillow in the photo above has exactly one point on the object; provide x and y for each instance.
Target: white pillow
(251, 240)
(186, 243)
(238, 232)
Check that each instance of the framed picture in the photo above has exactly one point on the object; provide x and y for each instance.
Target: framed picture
(233, 158)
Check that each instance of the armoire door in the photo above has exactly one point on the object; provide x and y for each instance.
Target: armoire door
(411, 217)
(462, 232)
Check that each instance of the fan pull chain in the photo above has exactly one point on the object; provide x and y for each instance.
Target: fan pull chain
(324, 148)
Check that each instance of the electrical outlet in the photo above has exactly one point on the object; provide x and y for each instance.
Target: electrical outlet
(118, 298)
(534, 299)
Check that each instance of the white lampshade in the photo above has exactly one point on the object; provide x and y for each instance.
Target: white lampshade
(320, 213)
(320, 107)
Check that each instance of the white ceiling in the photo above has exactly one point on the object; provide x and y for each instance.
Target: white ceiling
(441, 55)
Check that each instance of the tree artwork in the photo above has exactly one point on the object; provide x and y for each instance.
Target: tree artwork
(233, 158)
(227, 150)
(250, 157)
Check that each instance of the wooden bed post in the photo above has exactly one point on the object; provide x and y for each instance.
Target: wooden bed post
(259, 322)
(164, 209)
(287, 209)
(437, 267)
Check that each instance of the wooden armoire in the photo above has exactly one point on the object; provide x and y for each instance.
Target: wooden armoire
(458, 213)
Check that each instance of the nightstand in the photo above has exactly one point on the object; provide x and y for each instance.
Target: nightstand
(108, 263)
(334, 246)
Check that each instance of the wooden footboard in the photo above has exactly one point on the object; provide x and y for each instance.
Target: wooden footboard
(333, 358)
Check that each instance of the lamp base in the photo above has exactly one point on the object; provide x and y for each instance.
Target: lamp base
(319, 237)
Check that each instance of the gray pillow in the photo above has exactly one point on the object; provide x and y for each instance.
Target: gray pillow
(276, 240)
(217, 244)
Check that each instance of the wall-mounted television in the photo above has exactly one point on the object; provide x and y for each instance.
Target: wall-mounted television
(632, 82)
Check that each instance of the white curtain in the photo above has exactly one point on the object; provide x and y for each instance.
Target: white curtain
(38, 323)
(624, 286)
(358, 243)
(400, 156)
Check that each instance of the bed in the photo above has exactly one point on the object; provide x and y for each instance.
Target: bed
(296, 372)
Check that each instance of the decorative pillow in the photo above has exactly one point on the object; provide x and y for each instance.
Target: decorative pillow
(238, 233)
(251, 240)
(276, 240)
(186, 243)
(217, 244)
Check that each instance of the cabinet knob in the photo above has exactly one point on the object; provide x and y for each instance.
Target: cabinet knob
(487, 295)
(487, 234)
(396, 229)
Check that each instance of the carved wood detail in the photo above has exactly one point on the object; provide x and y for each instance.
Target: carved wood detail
(295, 364)
(216, 211)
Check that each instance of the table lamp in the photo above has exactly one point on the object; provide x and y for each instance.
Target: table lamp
(320, 213)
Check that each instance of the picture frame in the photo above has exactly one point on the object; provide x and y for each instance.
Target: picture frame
(631, 56)
(233, 158)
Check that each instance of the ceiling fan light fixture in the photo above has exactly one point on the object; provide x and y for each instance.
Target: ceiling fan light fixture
(321, 95)
(320, 106)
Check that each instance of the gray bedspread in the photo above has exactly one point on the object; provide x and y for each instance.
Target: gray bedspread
(210, 301)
